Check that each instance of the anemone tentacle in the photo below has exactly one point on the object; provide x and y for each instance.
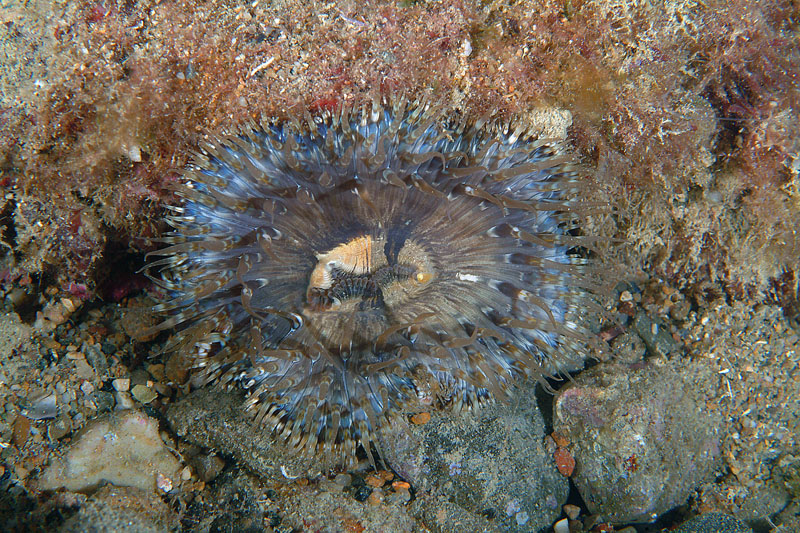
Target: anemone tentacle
(348, 266)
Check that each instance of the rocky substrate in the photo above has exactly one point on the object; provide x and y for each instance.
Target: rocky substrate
(691, 415)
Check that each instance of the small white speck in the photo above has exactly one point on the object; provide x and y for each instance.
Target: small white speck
(163, 482)
(261, 66)
(286, 474)
(135, 153)
(466, 48)
(467, 277)
(455, 468)
(512, 507)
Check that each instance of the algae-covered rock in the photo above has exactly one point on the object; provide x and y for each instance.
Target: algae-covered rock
(640, 439)
(487, 468)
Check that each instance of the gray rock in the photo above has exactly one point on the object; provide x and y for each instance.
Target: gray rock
(640, 441)
(59, 427)
(490, 463)
(464, 466)
(207, 466)
(103, 400)
(713, 523)
(761, 501)
(629, 348)
(655, 334)
(97, 358)
(216, 419)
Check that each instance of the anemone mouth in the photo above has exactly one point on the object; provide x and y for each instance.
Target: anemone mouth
(359, 287)
(359, 275)
(344, 269)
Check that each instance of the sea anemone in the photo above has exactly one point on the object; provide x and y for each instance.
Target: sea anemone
(347, 267)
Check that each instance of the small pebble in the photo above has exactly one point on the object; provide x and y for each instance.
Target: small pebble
(124, 401)
(22, 429)
(121, 384)
(143, 393)
(572, 511)
(60, 427)
(564, 462)
(163, 390)
(43, 408)
(401, 485)
(560, 440)
(421, 418)
(362, 493)
(207, 467)
(84, 370)
(68, 304)
(374, 481)
(329, 486)
(177, 368)
(87, 388)
(135, 154)
(55, 313)
(108, 348)
(562, 526)
(163, 482)
(20, 471)
(157, 371)
(512, 507)
(466, 48)
(376, 497)
(398, 497)
(343, 479)
(67, 397)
